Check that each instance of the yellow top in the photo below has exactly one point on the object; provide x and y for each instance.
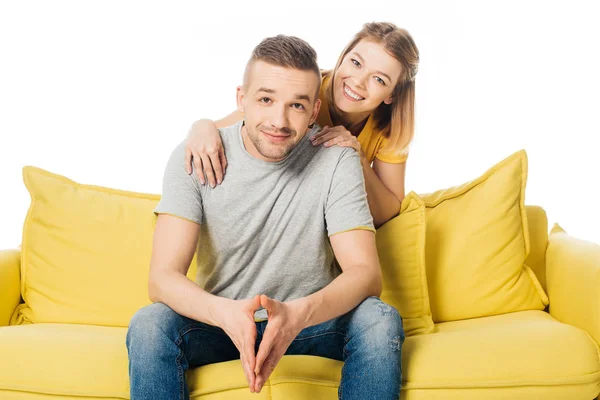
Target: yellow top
(370, 138)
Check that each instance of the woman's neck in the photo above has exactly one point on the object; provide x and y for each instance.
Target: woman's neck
(354, 122)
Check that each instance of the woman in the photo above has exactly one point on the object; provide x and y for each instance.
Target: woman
(367, 104)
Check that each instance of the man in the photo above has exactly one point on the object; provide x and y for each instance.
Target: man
(267, 284)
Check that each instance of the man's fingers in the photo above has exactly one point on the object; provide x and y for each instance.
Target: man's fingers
(246, 370)
(248, 349)
(267, 369)
(208, 170)
(216, 164)
(253, 305)
(263, 353)
(270, 304)
(266, 346)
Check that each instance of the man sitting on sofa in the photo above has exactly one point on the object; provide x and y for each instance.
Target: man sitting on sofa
(267, 284)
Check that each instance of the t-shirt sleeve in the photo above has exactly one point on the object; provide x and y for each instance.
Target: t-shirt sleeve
(391, 157)
(347, 208)
(181, 196)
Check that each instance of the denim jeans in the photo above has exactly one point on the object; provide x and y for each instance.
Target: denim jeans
(162, 345)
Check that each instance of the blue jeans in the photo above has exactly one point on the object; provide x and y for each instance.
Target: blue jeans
(163, 344)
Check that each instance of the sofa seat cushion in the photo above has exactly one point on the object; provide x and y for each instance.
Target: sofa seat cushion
(64, 359)
(49, 361)
(521, 355)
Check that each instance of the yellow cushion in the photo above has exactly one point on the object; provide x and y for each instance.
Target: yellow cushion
(85, 252)
(401, 249)
(513, 356)
(477, 243)
(64, 359)
(522, 355)
(91, 362)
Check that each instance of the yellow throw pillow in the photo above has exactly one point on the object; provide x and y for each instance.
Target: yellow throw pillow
(477, 243)
(401, 249)
(85, 252)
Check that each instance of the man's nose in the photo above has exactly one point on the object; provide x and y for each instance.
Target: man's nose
(279, 118)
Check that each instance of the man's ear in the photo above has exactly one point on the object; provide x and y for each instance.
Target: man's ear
(240, 95)
(315, 112)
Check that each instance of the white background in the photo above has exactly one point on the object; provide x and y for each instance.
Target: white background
(102, 91)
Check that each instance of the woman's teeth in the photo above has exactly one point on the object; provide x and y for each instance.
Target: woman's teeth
(352, 94)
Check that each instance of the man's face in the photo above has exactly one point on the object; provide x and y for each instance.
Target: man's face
(278, 105)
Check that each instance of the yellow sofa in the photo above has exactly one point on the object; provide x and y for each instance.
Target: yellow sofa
(533, 354)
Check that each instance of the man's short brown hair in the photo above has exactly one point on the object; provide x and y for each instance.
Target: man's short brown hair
(285, 51)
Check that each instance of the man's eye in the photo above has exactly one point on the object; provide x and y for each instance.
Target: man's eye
(265, 100)
(298, 106)
(355, 62)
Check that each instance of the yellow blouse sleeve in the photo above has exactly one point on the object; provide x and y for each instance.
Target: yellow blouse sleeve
(391, 157)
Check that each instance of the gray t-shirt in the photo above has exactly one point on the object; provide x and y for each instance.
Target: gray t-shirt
(265, 229)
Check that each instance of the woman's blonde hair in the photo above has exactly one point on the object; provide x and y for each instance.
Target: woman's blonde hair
(396, 121)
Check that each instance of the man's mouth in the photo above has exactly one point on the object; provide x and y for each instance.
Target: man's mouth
(276, 137)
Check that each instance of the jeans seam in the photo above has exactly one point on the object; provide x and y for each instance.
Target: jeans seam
(321, 334)
(186, 331)
(180, 374)
(180, 371)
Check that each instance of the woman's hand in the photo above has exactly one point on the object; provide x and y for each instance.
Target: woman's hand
(205, 147)
(337, 135)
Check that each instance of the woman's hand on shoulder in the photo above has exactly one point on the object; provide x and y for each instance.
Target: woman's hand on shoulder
(337, 136)
(204, 148)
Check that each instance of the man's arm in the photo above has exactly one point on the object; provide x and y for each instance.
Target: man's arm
(352, 236)
(360, 278)
(176, 235)
(173, 247)
(180, 213)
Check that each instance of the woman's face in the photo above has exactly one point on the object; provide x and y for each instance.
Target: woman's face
(366, 77)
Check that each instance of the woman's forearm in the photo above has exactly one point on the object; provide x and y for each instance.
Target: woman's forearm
(229, 120)
(384, 205)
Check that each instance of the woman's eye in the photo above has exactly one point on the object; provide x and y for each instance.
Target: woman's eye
(265, 100)
(355, 62)
(379, 80)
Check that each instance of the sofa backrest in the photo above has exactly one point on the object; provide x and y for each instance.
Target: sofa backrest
(537, 222)
(86, 251)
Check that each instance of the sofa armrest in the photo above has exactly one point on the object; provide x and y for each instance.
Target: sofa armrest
(573, 281)
(10, 283)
